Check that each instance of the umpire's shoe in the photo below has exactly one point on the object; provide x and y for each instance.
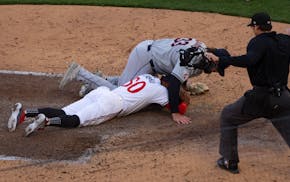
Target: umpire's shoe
(38, 123)
(17, 117)
(228, 165)
(70, 74)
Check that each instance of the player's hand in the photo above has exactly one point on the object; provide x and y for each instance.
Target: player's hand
(180, 119)
(212, 57)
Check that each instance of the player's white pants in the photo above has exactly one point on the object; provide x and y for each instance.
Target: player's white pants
(138, 63)
(96, 107)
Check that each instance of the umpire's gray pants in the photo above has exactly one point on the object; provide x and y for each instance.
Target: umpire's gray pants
(232, 116)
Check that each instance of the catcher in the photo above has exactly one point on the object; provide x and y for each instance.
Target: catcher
(178, 58)
(101, 104)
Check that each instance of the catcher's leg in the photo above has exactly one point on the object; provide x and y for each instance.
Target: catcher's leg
(138, 63)
(93, 80)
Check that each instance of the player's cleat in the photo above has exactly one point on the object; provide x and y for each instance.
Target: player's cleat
(70, 74)
(85, 89)
(38, 123)
(228, 165)
(17, 117)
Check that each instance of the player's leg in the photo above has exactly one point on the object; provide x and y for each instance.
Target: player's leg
(231, 117)
(41, 121)
(282, 124)
(64, 117)
(113, 79)
(138, 63)
(282, 121)
(86, 88)
(77, 72)
(90, 98)
(93, 80)
(19, 114)
(107, 106)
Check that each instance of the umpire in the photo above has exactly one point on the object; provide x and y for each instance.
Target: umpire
(267, 62)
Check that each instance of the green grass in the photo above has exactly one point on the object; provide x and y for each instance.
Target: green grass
(279, 10)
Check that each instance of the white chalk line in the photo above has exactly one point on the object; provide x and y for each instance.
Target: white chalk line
(11, 72)
(85, 157)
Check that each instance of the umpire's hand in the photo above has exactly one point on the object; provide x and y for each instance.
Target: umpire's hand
(180, 119)
(212, 57)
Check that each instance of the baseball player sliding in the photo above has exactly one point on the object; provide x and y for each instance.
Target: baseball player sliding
(101, 104)
(178, 58)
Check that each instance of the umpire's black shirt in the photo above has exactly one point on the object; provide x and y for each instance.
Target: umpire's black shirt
(266, 65)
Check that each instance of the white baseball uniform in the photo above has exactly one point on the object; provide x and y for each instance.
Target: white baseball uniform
(102, 104)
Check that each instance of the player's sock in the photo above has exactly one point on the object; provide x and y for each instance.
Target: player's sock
(66, 121)
(48, 112)
(51, 112)
(31, 112)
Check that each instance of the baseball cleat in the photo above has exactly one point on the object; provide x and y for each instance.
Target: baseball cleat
(70, 74)
(17, 117)
(84, 90)
(38, 123)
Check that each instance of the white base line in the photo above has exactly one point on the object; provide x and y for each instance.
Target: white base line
(85, 157)
(30, 73)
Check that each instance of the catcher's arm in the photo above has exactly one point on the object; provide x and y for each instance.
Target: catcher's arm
(184, 95)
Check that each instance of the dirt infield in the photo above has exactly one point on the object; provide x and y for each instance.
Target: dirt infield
(146, 146)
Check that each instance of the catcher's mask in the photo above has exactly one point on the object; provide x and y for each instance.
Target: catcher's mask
(194, 58)
(190, 55)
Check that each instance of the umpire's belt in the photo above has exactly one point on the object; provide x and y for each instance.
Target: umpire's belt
(277, 91)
